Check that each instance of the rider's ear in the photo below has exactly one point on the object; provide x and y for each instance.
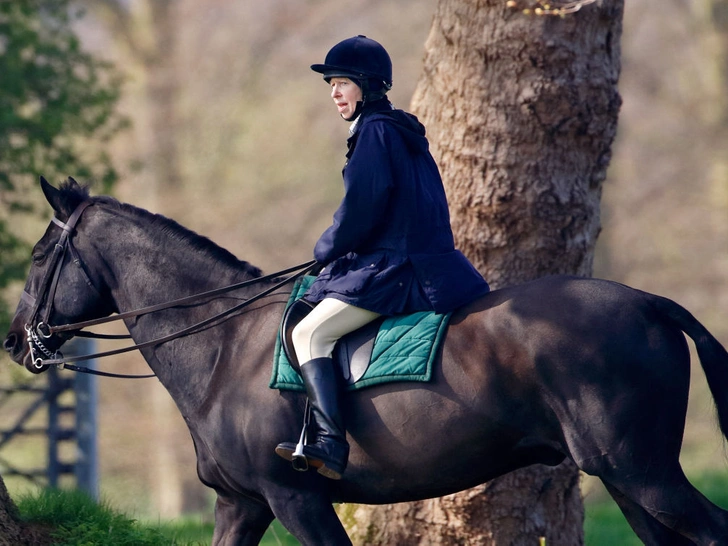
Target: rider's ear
(51, 194)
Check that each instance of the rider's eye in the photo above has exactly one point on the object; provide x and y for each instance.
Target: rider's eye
(38, 258)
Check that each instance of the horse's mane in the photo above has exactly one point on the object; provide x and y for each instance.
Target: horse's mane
(72, 194)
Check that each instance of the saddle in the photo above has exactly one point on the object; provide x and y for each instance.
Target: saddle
(352, 352)
(397, 348)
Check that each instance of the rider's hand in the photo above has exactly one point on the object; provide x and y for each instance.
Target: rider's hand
(316, 269)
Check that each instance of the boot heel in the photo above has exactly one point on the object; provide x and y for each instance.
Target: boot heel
(329, 472)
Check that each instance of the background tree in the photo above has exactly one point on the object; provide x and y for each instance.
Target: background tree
(521, 111)
(54, 100)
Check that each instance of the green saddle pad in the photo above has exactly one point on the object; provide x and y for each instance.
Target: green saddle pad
(404, 349)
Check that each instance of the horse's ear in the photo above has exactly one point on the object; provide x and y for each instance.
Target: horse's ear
(51, 194)
(72, 182)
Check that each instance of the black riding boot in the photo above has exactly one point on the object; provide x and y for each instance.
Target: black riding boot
(330, 451)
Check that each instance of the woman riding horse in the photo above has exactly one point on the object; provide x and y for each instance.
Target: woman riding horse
(390, 249)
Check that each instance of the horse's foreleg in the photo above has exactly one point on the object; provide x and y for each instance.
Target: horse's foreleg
(310, 517)
(240, 521)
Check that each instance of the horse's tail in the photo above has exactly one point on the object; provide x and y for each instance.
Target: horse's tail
(713, 356)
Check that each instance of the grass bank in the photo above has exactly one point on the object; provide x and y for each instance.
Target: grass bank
(79, 521)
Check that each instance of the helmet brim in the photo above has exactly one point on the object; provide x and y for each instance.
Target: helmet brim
(330, 71)
(320, 68)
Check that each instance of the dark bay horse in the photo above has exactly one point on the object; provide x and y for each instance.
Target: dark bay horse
(559, 367)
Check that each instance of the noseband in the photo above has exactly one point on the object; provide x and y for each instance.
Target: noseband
(35, 329)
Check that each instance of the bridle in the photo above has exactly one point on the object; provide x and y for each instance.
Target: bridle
(37, 331)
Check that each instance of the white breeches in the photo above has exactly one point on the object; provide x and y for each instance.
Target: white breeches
(316, 335)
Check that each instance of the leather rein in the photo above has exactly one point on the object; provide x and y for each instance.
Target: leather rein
(38, 330)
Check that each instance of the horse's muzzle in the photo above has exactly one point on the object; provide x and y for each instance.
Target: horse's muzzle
(21, 354)
(13, 344)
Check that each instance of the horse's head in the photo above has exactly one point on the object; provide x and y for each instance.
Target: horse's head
(59, 289)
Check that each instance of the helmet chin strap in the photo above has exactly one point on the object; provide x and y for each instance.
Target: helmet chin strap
(357, 111)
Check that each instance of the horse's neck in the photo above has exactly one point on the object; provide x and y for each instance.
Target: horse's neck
(151, 266)
(149, 279)
(147, 267)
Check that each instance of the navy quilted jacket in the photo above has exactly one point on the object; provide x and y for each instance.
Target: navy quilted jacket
(390, 248)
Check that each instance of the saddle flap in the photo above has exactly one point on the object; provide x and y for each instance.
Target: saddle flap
(353, 352)
(294, 314)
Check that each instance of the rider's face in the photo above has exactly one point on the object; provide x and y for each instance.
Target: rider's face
(345, 94)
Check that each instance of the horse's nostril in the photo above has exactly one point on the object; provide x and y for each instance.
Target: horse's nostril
(10, 343)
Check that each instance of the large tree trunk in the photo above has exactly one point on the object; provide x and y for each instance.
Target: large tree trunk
(13, 531)
(521, 112)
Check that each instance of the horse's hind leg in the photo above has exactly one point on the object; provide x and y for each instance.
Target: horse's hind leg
(648, 529)
(642, 464)
(645, 479)
(677, 509)
(628, 432)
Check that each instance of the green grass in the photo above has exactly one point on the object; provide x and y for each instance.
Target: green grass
(604, 525)
(80, 521)
(195, 533)
(189, 532)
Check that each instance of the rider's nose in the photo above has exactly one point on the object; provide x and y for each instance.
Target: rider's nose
(10, 343)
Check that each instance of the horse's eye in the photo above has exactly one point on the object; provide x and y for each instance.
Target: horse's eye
(39, 258)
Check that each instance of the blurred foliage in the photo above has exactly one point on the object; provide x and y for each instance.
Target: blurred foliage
(54, 99)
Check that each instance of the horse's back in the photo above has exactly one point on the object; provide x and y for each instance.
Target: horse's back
(560, 330)
(564, 309)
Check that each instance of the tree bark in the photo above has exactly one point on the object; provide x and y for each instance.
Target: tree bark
(521, 112)
(13, 531)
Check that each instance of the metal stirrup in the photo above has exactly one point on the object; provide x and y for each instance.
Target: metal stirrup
(298, 459)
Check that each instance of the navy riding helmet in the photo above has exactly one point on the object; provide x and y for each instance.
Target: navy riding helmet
(362, 60)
